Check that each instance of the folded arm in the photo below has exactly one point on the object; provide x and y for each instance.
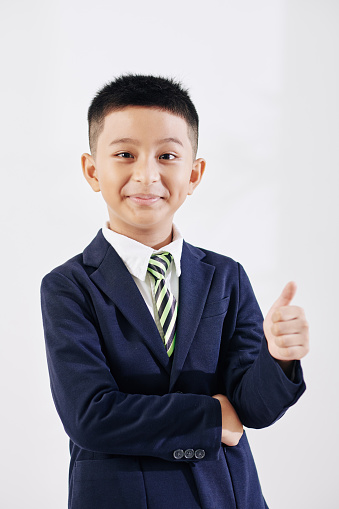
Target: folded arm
(95, 414)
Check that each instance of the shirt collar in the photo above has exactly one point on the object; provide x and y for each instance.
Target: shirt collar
(136, 255)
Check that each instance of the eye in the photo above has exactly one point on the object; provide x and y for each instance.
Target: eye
(167, 156)
(125, 155)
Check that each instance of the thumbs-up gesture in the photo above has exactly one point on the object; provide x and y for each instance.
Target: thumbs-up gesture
(286, 328)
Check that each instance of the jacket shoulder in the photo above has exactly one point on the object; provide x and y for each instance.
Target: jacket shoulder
(213, 258)
(82, 263)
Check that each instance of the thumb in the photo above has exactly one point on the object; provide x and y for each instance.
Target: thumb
(286, 295)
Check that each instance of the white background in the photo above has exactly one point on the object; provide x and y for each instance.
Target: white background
(264, 77)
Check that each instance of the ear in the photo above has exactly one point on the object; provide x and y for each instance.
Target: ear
(90, 172)
(196, 174)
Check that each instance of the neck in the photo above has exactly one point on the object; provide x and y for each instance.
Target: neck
(154, 239)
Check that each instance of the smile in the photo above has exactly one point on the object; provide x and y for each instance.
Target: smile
(144, 199)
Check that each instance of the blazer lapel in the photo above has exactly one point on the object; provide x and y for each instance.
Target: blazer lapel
(113, 278)
(194, 285)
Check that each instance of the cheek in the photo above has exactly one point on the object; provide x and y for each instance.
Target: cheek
(112, 181)
(180, 184)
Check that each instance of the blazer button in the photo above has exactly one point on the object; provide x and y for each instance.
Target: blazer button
(189, 454)
(178, 454)
(199, 454)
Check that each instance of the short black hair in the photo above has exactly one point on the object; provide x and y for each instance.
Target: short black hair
(142, 90)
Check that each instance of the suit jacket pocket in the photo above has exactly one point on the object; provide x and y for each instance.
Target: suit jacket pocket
(103, 484)
(215, 308)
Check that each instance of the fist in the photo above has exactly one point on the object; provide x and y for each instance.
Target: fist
(286, 328)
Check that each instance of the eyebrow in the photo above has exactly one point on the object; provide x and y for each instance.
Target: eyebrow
(125, 140)
(136, 142)
(168, 140)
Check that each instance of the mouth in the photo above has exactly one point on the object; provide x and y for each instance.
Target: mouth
(144, 199)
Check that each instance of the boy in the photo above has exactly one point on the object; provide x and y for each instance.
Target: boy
(156, 349)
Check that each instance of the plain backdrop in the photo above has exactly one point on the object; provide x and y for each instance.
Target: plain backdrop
(264, 77)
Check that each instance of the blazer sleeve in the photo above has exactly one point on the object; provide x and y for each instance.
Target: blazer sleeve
(95, 414)
(252, 379)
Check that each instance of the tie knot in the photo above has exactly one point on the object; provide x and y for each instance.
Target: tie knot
(159, 264)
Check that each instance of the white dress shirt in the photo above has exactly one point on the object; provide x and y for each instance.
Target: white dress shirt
(136, 257)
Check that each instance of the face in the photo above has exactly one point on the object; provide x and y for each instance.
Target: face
(144, 168)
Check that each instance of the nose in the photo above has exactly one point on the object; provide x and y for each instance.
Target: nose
(146, 172)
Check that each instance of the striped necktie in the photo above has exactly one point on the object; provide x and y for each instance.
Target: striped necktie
(165, 301)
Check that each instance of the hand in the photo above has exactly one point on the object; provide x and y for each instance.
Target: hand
(232, 429)
(286, 329)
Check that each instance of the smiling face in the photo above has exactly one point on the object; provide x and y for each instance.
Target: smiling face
(144, 168)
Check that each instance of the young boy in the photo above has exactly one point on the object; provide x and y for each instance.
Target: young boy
(156, 349)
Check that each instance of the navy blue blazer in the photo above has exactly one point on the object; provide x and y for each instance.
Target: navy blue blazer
(144, 430)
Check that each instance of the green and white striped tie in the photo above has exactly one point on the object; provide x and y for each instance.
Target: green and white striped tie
(165, 301)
